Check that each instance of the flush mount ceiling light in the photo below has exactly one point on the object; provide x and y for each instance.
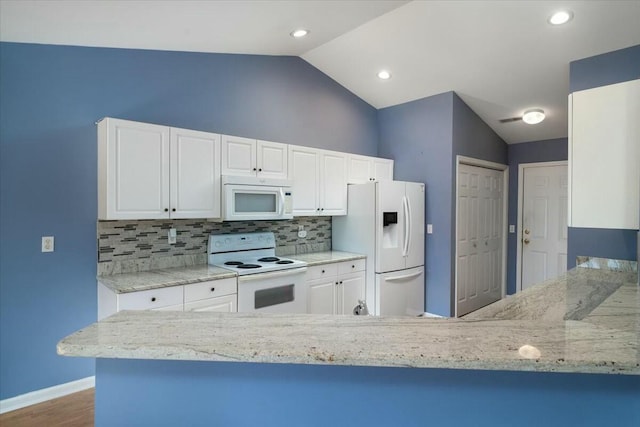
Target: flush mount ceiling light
(301, 32)
(560, 17)
(384, 75)
(533, 116)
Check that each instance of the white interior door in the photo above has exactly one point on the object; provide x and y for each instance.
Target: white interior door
(544, 223)
(479, 243)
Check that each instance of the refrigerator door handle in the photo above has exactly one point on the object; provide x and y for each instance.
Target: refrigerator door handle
(405, 207)
(406, 276)
(410, 222)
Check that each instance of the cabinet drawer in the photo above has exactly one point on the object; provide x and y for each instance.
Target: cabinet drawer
(153, 298)
(321, 271)
(346, 267)
(210, 289)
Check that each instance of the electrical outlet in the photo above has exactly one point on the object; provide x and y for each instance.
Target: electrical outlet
(300, 227)
(302, 234)
(172, 236)
(429, 228)
(47, 243)
(512, 228)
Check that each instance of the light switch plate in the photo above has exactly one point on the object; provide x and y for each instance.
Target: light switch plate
(429, 228)
(172, 236)
(512, 228)
(47, 243)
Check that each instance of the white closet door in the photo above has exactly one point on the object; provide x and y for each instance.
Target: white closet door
(479, 231)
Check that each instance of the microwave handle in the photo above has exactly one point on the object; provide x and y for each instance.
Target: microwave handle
(281, 210)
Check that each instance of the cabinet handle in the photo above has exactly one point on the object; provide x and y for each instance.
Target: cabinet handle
(153, 299)
(260, 170)
(213, 289)
(166, 209)
(336, 283)
(173, 210)
(322, 271)
(353, 266)
(254, 169)
(321, 209)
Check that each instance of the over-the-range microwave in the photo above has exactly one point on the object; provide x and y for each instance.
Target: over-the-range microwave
(253, 198)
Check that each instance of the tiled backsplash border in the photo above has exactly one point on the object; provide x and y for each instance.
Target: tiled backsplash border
(140, 245)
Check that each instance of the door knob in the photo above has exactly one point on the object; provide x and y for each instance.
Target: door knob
(526, 231)
(526, 241)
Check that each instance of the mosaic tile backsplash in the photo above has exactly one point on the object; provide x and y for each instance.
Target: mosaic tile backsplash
(130, 246)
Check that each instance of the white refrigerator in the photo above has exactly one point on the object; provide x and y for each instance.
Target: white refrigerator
(385, 221)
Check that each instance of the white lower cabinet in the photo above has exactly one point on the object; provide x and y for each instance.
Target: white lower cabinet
(214, 295)
(335, 288)
(218, 295)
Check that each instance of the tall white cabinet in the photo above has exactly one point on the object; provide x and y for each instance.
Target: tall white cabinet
(148, 171)
(319, 181)
(604, 156)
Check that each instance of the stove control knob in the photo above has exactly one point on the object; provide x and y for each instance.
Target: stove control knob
(227, 241)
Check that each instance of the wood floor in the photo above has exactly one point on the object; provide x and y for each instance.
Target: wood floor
(74, 410)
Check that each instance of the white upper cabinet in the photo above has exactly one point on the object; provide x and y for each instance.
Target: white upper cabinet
(148, 171)
(250, 157)
(195, 174)
(604, 156)
(362, 169)
(319, 181)
(304, 171)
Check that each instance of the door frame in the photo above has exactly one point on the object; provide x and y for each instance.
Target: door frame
(521, 168)
(505, 221)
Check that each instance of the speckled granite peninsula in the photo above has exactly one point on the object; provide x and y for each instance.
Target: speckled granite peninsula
(585, 321)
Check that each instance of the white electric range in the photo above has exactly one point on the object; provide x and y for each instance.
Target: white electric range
(266, 283)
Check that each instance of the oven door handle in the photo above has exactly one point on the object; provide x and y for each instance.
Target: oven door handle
(281, 210)
(272, 274)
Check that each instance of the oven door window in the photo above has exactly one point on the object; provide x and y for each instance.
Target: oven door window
(273, 296)
(255, 202)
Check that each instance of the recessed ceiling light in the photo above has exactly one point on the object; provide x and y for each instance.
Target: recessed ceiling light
(301, 32)
(384, 75)
(533, 116)
(561, 17)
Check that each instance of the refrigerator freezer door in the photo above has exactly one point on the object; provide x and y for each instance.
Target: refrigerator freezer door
(400, 293)
(415, 196)
(390, 238)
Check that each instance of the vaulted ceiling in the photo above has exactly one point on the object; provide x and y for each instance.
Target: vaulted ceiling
(501, 57)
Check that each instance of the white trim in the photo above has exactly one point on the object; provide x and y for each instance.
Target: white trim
(521, 168)
(569, 160)
(44, 394)
(505, 220)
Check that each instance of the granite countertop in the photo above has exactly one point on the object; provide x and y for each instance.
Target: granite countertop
(161, 278)
(319, 258)
(598, 333)
(144, 280)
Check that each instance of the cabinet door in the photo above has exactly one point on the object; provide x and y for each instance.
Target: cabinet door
(195, 174)
(333, 183)
(321, 296)
(272, 159)
(151, 299)
(133, 170)
(349, 291)
(304, 172)
(223, 304)
(382, 169)
(238, 156)
(604, 157)
(176, 307)
(359, 169)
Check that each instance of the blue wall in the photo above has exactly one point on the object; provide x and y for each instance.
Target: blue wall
(424, 137)
(250, 394)
(528, 152)
(418, 136)
(472, 137)
(602, 70)
(51, 97)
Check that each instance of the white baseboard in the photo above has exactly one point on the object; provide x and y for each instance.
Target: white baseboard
(45, 394)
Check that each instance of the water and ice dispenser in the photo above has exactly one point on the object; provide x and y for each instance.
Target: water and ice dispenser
(390, 229)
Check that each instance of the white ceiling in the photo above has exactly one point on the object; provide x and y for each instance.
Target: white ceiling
(501, 57)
